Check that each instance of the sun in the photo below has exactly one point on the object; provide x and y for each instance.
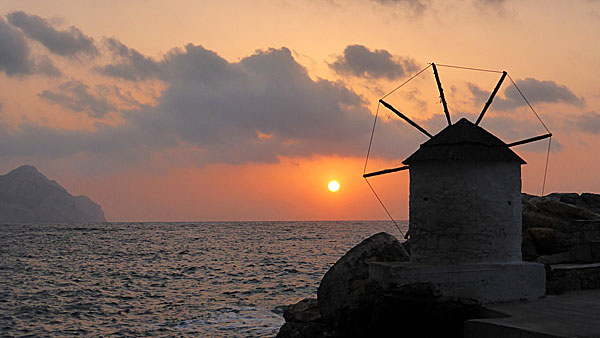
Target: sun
(333, 186)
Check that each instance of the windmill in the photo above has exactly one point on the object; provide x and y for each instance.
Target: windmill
(464, 211)
(447, 113)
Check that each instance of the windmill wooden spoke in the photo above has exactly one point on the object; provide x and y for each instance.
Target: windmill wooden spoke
(405, 118)
(489, 101)
(442, 97)
(532, 139)
(441, 169)
(385, 171)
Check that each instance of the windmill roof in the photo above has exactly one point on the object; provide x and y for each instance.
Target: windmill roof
(464, 141)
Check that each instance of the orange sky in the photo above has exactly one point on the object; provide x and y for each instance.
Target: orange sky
(212, 110)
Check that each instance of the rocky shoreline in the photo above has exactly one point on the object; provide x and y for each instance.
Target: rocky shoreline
(558, 229)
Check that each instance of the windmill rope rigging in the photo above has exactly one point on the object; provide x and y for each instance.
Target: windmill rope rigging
(407, 81)
(380, 102)
(470, 68)
(543, 124)
(371, 139)
(529, 104)
(384, 208)
(546, 167)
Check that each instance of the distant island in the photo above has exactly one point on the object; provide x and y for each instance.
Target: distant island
(27, 196)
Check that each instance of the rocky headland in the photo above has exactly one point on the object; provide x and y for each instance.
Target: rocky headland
(560, 230)
(27, 196)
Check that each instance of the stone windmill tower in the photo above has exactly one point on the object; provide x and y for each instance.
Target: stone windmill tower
(465, 184)
(465, 215)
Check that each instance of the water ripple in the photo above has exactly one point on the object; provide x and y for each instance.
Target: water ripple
(226, 279)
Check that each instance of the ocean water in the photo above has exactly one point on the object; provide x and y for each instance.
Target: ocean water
(220, 279)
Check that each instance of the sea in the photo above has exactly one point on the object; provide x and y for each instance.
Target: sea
(207, 279)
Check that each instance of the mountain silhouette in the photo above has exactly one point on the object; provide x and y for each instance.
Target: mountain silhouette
(27, 196)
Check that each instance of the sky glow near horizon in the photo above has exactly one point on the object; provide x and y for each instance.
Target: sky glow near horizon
(246, 110)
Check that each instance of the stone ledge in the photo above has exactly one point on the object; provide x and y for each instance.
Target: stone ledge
(569, 277)
(574, 314)
(483, 283)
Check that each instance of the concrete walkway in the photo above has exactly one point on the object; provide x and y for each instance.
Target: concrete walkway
(574, 314)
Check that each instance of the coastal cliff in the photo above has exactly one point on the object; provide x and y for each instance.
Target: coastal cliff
(27, 196)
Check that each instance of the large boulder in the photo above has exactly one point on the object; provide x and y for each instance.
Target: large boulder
(345, 287)
(305, 330)
(306, 310)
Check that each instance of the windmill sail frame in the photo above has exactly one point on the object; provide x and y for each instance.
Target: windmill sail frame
(447, 114)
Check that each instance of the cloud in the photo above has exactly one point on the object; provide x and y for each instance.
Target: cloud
(490, 2)
(190, 62)
(107, 142)
(14, 52)
(491, 8)
(589, 122)
(543, 91)
(44, 65)
(536, 91)
(68, 43)
(416, 6)
(130, 64)
(359, 61)
(16, 58)
(254, 110)
(76, 96)
(258, 109)
(223, 107)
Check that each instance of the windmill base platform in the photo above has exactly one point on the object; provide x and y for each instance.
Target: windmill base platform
(484, 283)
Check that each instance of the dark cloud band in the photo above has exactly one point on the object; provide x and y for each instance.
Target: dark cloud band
(359, 61)
(536, 91)
(69, 43)
(76, 96)
(14, 52)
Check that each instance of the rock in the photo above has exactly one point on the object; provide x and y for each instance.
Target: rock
(305, 330)
(528, 249)
(569, 220)
(306, 310)
(414, 310)
(564, 241)
(406, 245)
(587, 201)
(344, 286)
(555, 211)
(592, 201)
(562, 278)
(533, 218)
(543, 238)
(558, 258)
(27, 196)
(561, 208)
(585, 253)
(569, 197)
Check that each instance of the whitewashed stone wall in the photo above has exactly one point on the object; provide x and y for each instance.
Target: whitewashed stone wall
(464, 212)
